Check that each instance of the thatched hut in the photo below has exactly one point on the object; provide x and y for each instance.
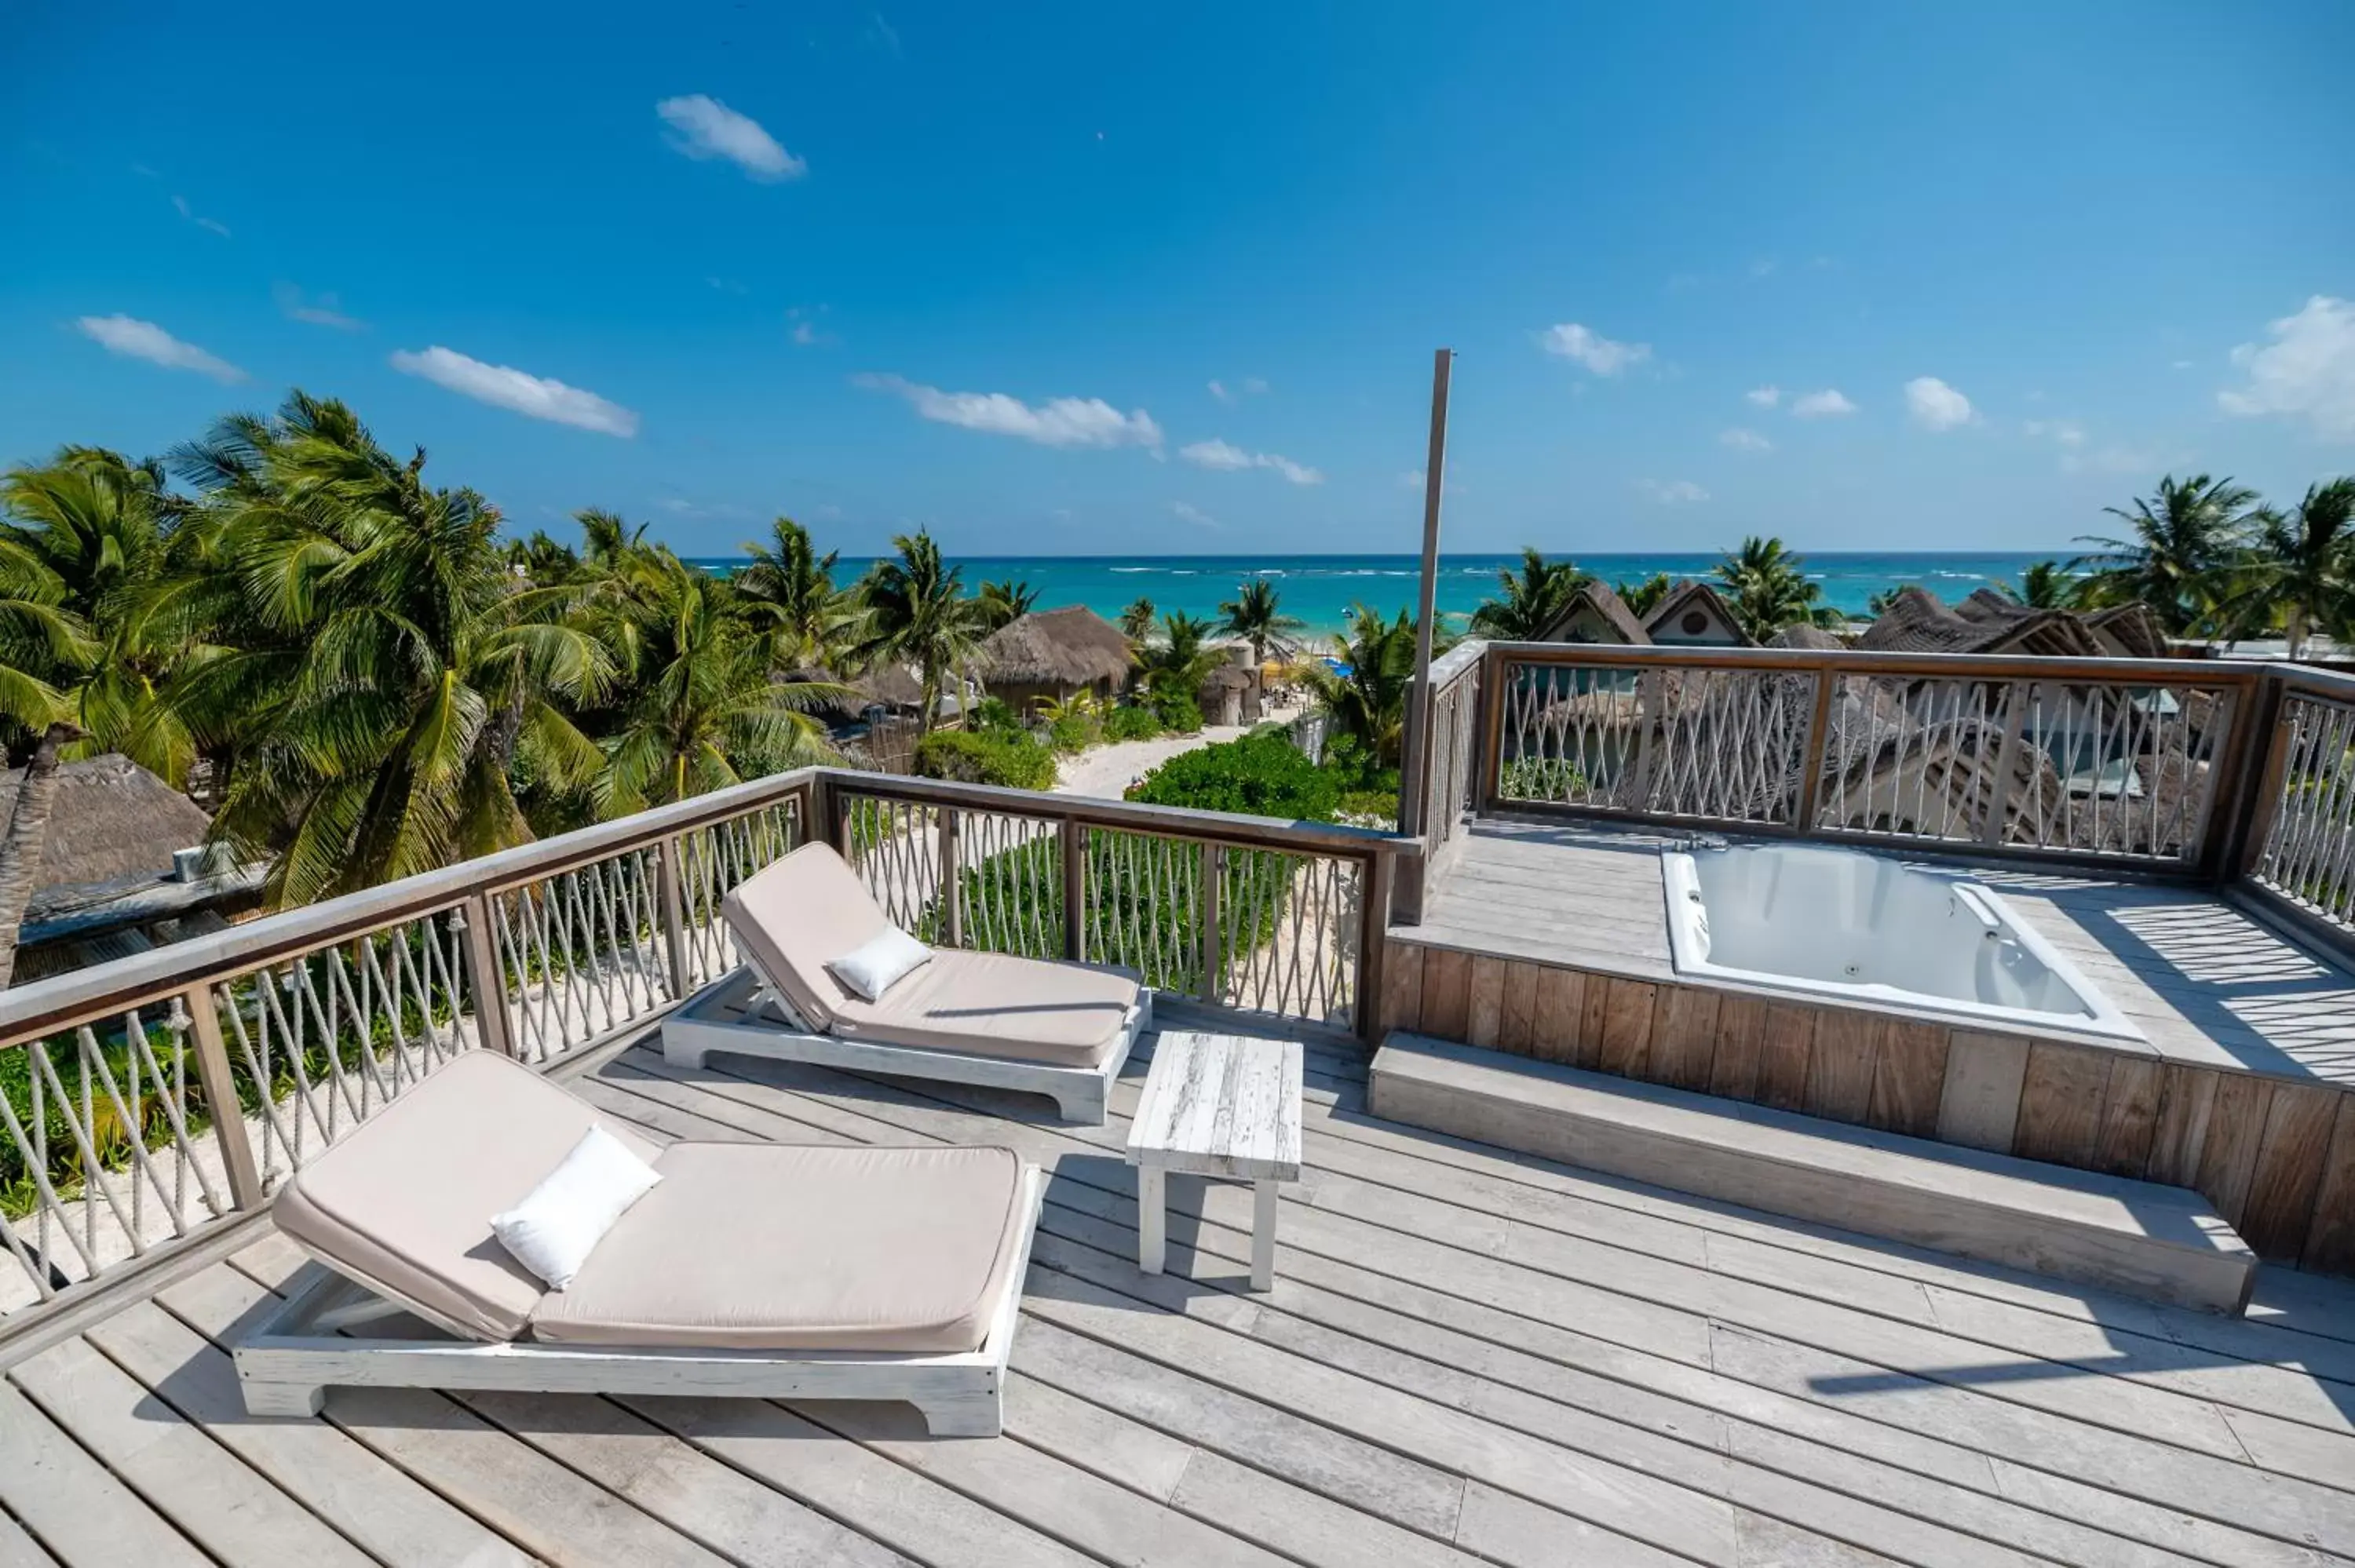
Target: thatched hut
(1051, 655)
(1596, 615)
(1694, 615)
(122, 868)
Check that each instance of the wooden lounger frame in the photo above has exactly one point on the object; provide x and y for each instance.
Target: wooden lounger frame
(297, 1355)
(719, 1017)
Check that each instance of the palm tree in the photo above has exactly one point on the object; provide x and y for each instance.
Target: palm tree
(791, 587)
(1183, 659)
(917, 614)
(1368, 703)
(2185, 536)
(1000, 603)
(1884, 601)
(1529, 599)
(2301, 570)
(1136, 621)
(388, 665)
(1642, 598)
(2045, 585)
(703, 707)
(1253, 616)
(1770, 590)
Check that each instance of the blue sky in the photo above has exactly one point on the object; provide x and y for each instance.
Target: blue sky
(1104, 280)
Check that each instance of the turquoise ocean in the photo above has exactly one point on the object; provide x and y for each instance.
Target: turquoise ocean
(1321, 589)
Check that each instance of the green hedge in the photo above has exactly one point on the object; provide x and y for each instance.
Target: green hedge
(1131, 722)
(1258, 776)
(1015, 761)
(1132, 916)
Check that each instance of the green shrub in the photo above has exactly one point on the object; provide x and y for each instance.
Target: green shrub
(1141, 904)
(986, 756)
(996, 716)
(1258, 776)
(1073, 732)
(1178, 711)
(1368, 806)
(1541, 778)
(1128, 723)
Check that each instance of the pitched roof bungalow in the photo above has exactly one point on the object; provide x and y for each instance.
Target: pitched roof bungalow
(1595, 614)
(1692, 614)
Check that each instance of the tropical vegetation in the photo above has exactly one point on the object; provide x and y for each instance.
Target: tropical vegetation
(1529, 600)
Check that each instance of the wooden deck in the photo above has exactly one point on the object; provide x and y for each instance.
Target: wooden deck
(1468, 1356)
(2209, 985)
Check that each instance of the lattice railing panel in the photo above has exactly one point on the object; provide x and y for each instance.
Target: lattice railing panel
(2308, 854)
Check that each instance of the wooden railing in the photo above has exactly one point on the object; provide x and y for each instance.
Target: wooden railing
(2065, 759)
(148, 1105)
(2298, 845)
(1247, 912)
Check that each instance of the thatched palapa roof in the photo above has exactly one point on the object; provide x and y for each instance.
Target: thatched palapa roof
(1072, 646)
(1985, 622)
(111, 821)
(1685, 596)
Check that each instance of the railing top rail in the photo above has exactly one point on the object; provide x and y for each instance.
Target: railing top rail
(1180, 821)
(1465, 656)
(1926, 666)
(2304, 680)
(81, 996)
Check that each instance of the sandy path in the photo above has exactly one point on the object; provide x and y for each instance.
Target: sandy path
(1105, 771)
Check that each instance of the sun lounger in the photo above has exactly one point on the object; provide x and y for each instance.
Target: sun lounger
(778, 1271)
(992, 1019)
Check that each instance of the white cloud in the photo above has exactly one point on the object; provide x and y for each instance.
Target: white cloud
(1935, 406)
(1824, 404)
(1219, 390)
(1251, 387)
(1225, 457)
(1592, 349)
(703, 127)
(1675, 493)
(136, 339)
(320, 311)
(1057, 422)
(2146, 461)
(2060, 432)
(2307, 372)
(1410, 480)
(1764, 397)
(505, 386)
(1194, 514)
(180, 205)
(1254, 385)
(2183, 364)
(1744, 441)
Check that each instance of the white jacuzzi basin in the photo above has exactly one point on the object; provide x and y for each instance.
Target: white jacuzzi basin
(1840, 924)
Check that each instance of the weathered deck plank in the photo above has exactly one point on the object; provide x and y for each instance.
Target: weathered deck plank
(1466, 1352)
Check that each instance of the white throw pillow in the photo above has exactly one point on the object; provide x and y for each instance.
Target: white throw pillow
(559, 1222)
(875, 967)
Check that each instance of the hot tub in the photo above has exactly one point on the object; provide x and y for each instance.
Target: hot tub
(1845, 926)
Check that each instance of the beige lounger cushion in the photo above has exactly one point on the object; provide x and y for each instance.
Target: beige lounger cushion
(993, 1004)
(811, 906)
(404, 1203)
(785, 1246)
(795, 914)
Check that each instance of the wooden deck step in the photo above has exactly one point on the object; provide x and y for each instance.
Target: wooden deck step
(2163, 1243)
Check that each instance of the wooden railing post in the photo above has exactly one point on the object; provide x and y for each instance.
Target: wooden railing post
(492, 1029)
(1373, 942)
(1811, 756)
(668, 858)
(1206, 911)
(2259, 756)
(824, 823)
(1073, 835)
(220, 1095)
(1495, 672)
(2018, 694)
(952, 890)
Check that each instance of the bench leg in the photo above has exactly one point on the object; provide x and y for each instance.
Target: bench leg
(282, 1398)
(1152, 1218)
(1264, 1235)
(979, 1415)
